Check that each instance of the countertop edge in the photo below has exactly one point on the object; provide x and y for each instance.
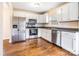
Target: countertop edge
(57, 28)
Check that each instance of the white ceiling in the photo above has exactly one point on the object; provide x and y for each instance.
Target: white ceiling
(35, 7)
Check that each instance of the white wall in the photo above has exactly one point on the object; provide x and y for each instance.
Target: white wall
(5, 24)
(7, 18)
(23, 13)
(1, 41)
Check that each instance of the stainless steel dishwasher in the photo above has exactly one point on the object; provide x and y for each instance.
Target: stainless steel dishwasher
(56, 37)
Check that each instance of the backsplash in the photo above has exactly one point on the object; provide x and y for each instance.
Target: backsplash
(74, 24)
(40, 24)
(69, 24)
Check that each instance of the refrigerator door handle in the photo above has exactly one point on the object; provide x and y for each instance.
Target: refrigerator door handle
(17, 29)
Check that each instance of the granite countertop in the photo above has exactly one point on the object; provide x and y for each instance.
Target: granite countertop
(57, 28)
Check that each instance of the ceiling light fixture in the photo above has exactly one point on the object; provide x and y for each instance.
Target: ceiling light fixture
(36, 4)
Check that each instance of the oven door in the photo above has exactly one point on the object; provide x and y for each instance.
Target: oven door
(33, 31)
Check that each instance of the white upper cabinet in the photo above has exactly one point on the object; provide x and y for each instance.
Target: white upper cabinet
(65, 12)
(46, 17)
(42, 19)
(73, 11)
(70, 11)
(31, 17)
(59, 14)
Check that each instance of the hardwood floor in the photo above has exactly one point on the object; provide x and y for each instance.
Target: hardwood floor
(33, 47)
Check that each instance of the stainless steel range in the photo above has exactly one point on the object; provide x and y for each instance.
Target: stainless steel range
(33, 31)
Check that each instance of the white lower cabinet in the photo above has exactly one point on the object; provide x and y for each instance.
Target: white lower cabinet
(77, 38)
(76, 44)
(27, 33)
(39, 32)
(46, 34)
(67, 40)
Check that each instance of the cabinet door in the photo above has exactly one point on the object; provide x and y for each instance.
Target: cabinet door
(77, 34)
(76, 44)
(45, 33)
(42, 33)
(65, 12)
(48, 35)
(59, 14)
(73, 11)
(44, 19)
(67, 40)
(27, 33)
(38, 19)
(39, 32)
(41, 19)
(46, 16)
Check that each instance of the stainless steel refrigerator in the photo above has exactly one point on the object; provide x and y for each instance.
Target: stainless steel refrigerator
(18, 29)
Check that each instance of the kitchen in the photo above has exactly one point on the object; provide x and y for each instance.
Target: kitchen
(57, 25)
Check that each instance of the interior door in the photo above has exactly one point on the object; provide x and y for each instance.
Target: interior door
(21, 29)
